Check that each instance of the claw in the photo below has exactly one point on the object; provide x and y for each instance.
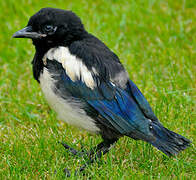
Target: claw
(67, 172)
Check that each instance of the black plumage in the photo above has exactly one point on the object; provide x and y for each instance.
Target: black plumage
(77, 70)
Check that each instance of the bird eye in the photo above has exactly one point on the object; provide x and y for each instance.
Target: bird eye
(48, 28)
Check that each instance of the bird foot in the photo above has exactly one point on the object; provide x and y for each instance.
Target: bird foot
(74, 151)
(93, 155)
(67, 172)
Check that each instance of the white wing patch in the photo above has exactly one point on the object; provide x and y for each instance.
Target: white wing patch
(73, 66)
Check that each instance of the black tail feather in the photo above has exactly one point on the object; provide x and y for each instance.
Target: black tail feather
(167, 141)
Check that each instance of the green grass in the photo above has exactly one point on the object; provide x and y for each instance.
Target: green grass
(155, 40)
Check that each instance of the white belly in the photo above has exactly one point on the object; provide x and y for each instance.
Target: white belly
(67, 111)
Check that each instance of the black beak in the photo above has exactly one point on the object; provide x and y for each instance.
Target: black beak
(27, 32)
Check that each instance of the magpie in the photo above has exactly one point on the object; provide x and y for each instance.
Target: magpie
(88, 87)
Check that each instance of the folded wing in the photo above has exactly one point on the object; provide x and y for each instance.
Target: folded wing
(118, 108)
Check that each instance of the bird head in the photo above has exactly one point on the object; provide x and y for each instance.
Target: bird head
(52, 27)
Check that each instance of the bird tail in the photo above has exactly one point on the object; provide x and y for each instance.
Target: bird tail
(167, 141)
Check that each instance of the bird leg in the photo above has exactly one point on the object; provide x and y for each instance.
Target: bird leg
(70, 149)
(93, 154)
(92, 151)
(81, 153)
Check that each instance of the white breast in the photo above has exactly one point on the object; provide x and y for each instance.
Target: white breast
(67, 111)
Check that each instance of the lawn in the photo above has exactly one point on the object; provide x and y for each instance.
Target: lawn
(155, 40)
